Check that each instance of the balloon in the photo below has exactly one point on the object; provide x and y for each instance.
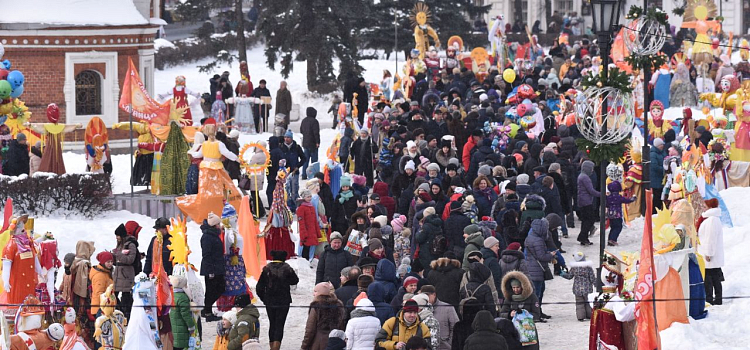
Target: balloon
(15, 78)
(5, 89)
(2, 50)
(16, 92)
(53, 113)
(5, 64)
(509, 75)
(3, 74)
(514, 130)
(521, 110)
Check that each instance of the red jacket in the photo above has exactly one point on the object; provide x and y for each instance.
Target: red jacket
(309, 230)
(381, 188)
(466, 155)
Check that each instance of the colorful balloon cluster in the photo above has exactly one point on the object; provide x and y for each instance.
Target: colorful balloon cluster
(11, 81)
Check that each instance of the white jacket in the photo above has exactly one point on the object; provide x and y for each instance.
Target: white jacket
(711, 237)
(362, 327)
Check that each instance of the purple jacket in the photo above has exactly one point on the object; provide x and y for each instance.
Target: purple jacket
(615, 200)
(586, 191)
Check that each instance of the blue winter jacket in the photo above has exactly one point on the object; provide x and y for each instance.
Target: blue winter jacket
(385, 275)
(657, 168)
(376, 294)
(536, 249)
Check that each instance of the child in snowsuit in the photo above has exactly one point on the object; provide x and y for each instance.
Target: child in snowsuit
(402, 245)
(582, 273)
(614, 211)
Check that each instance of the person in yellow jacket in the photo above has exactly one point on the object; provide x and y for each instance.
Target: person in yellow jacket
(144, 155)
(228, 319)
(396, 331)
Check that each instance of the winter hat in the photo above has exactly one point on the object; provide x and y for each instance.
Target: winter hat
(409, 165)
(515, 282)
(410, 280)
(398, 223)
(454, 161)
(289, 133)
(466, 206)
(510, 186)
(311, 184)
(278, 255)
(133, 229)
(424, 187)
(21, 137)
(490, 242)
(121, 231)
(451, 166)
(514, 246)
(230, 316)
(410, 144)
(473, 228)
(427, 289)
(374, 244)
(336, 235)
(358, 179)
(411, 306)
(346, 181)
(337, 333)
(103, 257)
(485, 170)
(364, 281)
(554, 167)
(459, 190)
(658, 142)
(234, 134)
(213, 219)
(323, 288)
(422, 300)
(455, 206)
(177, 281)
(579, 256)
(381, 219)
(424, 162)
(425, 197)
(311, 112)
(406, 232)
(474, 256)
(428, 211)
(433, 166)
(365, 304)
(522, 179)
(416, 265)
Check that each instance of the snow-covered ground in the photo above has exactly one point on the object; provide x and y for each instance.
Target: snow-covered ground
(720, 330)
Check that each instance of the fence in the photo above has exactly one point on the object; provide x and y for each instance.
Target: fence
(147, 204)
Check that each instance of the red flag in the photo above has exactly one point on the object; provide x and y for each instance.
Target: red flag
(135, 99)
(648, 337)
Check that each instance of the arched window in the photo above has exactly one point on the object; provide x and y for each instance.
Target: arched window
(88, 93)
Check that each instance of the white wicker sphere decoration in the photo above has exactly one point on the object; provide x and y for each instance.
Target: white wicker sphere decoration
(644, 36)
(608, 126)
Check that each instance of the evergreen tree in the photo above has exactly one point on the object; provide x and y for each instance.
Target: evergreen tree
(315, 31)
(449, 17)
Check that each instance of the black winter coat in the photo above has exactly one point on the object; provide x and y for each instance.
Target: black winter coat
(310, 129)
(232, 167)
(293, 154)
(362, 154)
(454, 230)
(326, 197)
(445, 276)
(485, 334)
(491, 260)
(431, 228)
(475, 286)
(330, 264)
(274, 283)
(347, 290)
(342, 213)
(165, 252)
(552, 199)
(16, 160)
(560, 186)
(213, 251)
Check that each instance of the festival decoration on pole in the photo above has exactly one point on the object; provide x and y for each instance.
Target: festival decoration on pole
(420, 18)
(646, 32)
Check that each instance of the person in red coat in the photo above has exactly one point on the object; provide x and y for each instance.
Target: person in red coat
(381, 188)
(309, 225)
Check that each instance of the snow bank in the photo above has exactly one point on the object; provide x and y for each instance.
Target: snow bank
(160, 43)
(72, 12)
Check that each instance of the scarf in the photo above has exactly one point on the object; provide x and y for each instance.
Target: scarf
(486, 192)
(23, 242)
(345, 196)
(517, 297)
(221, 331)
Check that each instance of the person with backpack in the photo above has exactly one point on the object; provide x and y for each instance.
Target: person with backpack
(274, 289)
(474, 242)
(491, 255)
(399, 329)
(476, 290)
(485, 336)
(512, 259)
(432, 242)
(127, 264)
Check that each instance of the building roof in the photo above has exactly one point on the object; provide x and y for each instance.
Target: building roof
(43, 13)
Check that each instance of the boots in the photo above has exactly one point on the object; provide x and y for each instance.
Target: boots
(275, 345)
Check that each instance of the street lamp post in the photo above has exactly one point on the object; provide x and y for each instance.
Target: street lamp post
(606, 16)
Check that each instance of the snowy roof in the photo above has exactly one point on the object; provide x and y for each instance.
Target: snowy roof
(72, 12)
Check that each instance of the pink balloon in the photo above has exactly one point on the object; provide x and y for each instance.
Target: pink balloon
(521, 110)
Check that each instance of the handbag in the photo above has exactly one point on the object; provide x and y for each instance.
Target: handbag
(244, 183)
